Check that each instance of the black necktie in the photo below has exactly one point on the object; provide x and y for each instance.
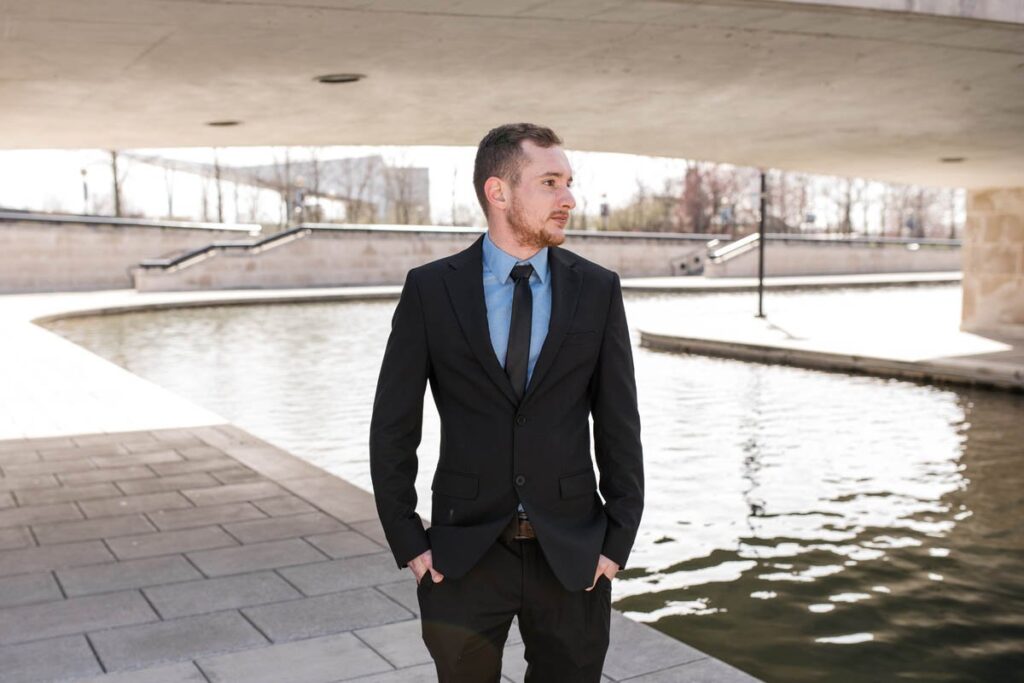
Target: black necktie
(517, 358)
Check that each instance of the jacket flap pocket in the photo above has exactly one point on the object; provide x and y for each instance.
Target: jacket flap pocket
(581, 337)
(456, 484)
(577, 484)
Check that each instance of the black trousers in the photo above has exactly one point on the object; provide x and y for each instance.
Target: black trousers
(466, 621)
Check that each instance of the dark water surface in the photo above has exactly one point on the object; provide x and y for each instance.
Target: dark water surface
(800, 525)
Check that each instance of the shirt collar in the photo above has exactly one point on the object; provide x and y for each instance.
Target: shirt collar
(500, 262)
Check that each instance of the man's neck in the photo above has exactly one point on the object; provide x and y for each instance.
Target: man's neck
(508, 244)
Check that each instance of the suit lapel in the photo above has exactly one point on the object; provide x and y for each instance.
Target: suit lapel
(566, 282)
(464, 282)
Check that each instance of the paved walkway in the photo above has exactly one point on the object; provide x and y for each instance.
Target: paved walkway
(907, 345)
(144, 539)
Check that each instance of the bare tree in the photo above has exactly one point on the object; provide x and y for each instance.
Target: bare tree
(119, 175)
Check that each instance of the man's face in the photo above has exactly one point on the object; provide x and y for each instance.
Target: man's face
(541, 201)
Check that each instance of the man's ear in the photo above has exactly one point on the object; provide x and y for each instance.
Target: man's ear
(495, 191)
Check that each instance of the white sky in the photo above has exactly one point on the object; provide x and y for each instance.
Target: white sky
(52, 180)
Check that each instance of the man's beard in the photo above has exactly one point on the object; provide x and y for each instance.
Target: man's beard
(538, 238)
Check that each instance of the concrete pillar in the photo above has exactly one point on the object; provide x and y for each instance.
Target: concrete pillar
(993, 252)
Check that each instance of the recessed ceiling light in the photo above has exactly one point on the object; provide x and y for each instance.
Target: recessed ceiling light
(952, 160)
(223, 124)
(339, 78)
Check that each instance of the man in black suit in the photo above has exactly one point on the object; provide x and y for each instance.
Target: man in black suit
(521, 342)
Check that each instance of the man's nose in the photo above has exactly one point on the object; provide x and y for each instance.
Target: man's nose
(568, 201)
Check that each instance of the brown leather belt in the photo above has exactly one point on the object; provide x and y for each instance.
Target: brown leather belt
(520, 528)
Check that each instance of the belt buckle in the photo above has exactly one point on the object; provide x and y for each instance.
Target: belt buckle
(524, 530)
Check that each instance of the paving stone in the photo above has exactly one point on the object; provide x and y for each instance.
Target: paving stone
(150, 458)
(171, 483)
(317, 660)
(25, 589)
(175, 640)
(64, 494)
(18, 457)
(167, 542)
(57, 659)
(283, 527)
(283, 505)
(637, 649)
(339, 575)
(115, 576)
(36, 481)
(126, 505)
(38, 514)
(82, 452)
(707, 670)
(6, 500)
(174, 434)
(111, 474)
(325, 614)
(49, 557)
(246, 558)
(15, 537)
(344, 544)
(88, 529)
(335, 496)
(201, 453)
(115, 438)
(73, 615)
(217, 438)
(273, 463)
(212, 514)
(214, 595)
(513, 663)
(424, 673)
(233, 493)
(28, 469)
(32, 444)
(400, 643)
(373, 529)
(186, 466)
(175, 443)
(236, 475)
(403, 592)
(185, 672)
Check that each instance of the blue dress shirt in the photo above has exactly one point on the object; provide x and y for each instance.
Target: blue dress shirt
(498, 289)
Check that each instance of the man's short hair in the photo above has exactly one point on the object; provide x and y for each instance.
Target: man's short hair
(500, 154)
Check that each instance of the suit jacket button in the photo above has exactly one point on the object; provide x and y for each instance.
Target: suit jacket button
(520, 480)
(520, 420)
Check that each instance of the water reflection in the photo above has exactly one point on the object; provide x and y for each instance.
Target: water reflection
(803, 526)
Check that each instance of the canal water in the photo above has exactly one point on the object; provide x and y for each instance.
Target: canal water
(800, 525)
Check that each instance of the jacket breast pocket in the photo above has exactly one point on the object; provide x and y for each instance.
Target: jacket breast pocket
(579, 484)
(581, 337)
(456, 484)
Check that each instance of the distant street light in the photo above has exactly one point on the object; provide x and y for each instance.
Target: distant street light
(85, 192)
(760, 246)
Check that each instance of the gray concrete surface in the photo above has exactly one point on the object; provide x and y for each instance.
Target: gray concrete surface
(256, 568)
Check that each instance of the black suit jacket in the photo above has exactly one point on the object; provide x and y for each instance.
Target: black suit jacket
(496, 450)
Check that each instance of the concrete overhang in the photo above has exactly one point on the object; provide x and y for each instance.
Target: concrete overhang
(883, 89)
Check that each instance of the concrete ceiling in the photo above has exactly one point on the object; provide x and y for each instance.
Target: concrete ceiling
(819, 87)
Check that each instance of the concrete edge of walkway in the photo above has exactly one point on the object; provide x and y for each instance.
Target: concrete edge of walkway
(940, 371)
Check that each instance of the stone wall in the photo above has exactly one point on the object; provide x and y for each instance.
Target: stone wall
(993, 285)
(333, 256)
(838, 258)
(42, 253)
